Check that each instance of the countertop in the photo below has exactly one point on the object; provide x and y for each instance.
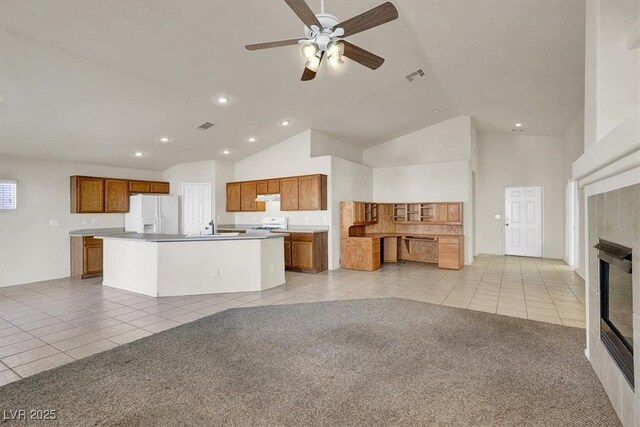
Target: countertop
(417, 235)
(152, 237)
(291, 229)
(97, 231)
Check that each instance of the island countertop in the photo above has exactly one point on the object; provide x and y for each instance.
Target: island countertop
(291, 229)
(154, 237)
(97, 231)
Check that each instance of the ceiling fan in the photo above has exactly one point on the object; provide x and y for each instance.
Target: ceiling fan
(324, 34)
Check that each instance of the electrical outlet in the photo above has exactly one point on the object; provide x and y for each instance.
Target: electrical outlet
(497, 217)
(217, 219)
(85, 221)
(272, 267)
(306, 218)
(94, 221)
(324, 218)
(53, 222)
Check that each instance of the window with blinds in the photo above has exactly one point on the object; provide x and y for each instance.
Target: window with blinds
(8, 193)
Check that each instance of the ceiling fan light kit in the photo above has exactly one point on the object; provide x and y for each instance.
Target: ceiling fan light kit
(324, 33)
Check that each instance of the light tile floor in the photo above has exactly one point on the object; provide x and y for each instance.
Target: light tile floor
(47, 324)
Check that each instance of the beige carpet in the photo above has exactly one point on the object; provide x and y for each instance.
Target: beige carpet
(363, 362)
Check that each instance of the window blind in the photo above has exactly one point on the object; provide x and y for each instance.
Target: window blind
(8, 193)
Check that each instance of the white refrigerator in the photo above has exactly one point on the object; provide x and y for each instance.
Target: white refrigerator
(152, 214)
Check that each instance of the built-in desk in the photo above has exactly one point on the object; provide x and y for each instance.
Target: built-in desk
(367, 246)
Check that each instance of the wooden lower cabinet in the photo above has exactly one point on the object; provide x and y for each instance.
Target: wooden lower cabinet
(86, 256)
(306, 252)
(451, 252)
(287, 252)
(358, 253)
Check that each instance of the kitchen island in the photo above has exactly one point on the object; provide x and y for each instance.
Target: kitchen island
(173, 265)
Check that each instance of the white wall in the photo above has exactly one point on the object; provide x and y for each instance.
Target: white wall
(573, 147)
(446, 141)
(436, 182)
(350, 181)
(225, 172)
(30, 249)
(289, 158)
(513, 161)
(617, 67)
(325, 145)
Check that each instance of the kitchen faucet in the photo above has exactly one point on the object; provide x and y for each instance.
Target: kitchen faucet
(213, 227)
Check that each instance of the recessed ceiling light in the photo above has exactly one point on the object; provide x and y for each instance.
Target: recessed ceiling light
(434, 112)
(518, 125)
(251, 139)
(138, 154)
(222, 99)
(285, 123)
(226, 152)
(164, 139)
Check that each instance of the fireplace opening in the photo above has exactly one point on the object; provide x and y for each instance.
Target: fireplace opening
(616, 304)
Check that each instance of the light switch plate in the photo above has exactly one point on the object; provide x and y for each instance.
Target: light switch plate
(497, 217)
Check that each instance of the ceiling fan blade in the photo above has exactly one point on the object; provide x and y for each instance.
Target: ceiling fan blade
(372, 18)
(267, 45)
(308, 74)
(304, 12)
(364, 57)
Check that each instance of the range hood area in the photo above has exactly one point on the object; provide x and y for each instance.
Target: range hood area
(268, 198)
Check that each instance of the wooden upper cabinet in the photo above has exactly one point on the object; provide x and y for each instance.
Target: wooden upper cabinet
(156, 187)
(248, 193)
(312, 193)
(454, 213)
(297, 193)
(91, 194)
(87, 194)
(160, 187)
(139, 187)
(273, 186)
(233, 197)
(359, 213)
(289, 194)
(116, 196)
(262, 187)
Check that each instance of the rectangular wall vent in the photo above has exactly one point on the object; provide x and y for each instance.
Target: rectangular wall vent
(416, 73)
(205, 126)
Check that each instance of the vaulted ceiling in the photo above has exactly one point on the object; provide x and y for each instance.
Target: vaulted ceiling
(96, 81)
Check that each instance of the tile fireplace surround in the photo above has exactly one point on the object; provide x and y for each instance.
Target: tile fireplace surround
(614, 216)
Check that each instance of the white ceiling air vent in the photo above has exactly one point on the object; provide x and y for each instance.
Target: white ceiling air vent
(416, 73)
(205, 126)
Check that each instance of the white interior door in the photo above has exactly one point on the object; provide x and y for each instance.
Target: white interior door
(196, 208)
(523, 221)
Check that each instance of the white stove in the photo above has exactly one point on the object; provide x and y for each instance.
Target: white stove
(269, 224)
